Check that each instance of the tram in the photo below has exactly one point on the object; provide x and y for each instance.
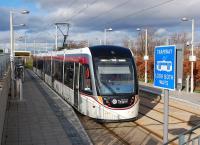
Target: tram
(99, 81)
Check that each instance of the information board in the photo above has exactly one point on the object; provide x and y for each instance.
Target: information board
(164, 67)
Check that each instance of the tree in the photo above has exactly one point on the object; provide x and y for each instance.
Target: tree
(151, 42)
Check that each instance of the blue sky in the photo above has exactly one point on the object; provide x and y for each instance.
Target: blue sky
(17, 4)
(32, 6)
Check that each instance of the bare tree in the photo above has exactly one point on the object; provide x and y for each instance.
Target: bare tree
(130, 44)
(151, 42)
(179, 38)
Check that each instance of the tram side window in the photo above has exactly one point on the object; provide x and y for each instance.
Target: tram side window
(49, 64)
(37, 63)
(58, 70)
(69, 74)
(55, 73)
(85, 79)
(34, 62)
(61, 71)
(53, 68)
(40, 64)
(45, 66)
(48, 67)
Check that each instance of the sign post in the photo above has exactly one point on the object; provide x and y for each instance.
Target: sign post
(165, 77)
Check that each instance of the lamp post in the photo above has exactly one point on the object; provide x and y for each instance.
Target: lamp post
(192, 57)
(34, 46)
(46, 46)
(105, 30)
(56, 40)
(25, 44)
(146, 57)
(98, 41)
(12, 48)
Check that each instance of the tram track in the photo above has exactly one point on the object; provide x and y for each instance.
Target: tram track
(150, 121)
(194, 111)
(173, 116)
(145, 103)
(126, 133)
(123, 133)
(104, 133)
(148, 94)
(182, 117)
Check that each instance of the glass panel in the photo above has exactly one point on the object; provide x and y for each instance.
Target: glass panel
(85, 83)
(114, 76)
(69, 74)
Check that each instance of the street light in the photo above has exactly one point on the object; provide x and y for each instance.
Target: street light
(192, 57)
(24, 12)
(105, 30)
(146, 57)
(12, 47)
(98, 41)
(25, 38)
(20, 25)
(56, 40)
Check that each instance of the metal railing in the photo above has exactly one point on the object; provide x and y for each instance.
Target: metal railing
(150, 89)
(4, 63)
(189, 141)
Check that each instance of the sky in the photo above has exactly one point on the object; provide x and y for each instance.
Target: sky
(89, 18)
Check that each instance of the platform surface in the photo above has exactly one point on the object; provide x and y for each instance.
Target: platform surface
(42, 118)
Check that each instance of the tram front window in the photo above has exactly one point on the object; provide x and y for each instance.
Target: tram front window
(115, 76)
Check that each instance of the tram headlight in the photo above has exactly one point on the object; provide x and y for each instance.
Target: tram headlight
(100, 99)
(132, 100)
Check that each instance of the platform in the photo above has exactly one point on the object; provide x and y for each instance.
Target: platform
(42, 118)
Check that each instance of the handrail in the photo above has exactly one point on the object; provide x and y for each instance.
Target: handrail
(184, 133)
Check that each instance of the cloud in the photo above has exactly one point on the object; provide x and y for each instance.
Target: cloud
(91, 17)
(161, 32)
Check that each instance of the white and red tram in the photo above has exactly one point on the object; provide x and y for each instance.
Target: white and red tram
(99, 81)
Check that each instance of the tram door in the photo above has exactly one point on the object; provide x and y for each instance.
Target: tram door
(76, 84)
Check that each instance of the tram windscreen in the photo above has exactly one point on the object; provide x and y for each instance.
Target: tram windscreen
(115, 76)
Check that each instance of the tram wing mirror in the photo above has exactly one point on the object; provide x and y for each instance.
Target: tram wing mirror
(87, 74)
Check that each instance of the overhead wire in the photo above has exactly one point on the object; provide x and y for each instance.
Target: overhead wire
(139, 12)
(73, 3)
(69, 6)
(82, 10)
(109, 22)
(123, 17)
(108, 11)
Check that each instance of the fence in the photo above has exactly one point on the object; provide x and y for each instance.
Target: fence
(4, 88)
(4, 63)
(186, 138)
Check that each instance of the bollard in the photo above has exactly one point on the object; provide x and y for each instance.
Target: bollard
(17, 88)
(21, 90)
(19, 74)
(187, 84)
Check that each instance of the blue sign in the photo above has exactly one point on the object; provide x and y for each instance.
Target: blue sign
(164, 67)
